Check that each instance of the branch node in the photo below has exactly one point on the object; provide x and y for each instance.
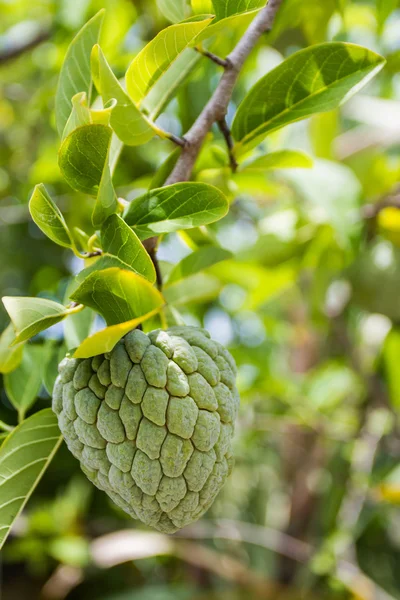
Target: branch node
(221, 62)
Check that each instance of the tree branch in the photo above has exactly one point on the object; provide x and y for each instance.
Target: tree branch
(17, 50)
(226, 132)
(216, 108)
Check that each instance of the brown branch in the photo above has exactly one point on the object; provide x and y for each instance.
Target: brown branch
(17, 50)
(226, 132)
(221, 62)
(216, 108)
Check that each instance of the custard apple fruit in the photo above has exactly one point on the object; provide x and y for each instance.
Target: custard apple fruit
(152, 422)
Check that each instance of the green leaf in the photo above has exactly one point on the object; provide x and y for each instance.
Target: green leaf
(165, 169)
(53, 353)
(130, 125)
(77, 327)
(118, 295)
(170, 82)
(10, 358)
(198, 261)
(24, 457)
(83, 155)
(75, 75)
(30, 316)
(48, 217)
(229, 24)
(105, 340)
(227, 8)
(106, 202)
(119, 240)
(195, 289)
(391, 355)
(80, 114)
(173, 10)
(282, 159)
(155, 58)
(23, 384)
(174, 207)
(317, 79)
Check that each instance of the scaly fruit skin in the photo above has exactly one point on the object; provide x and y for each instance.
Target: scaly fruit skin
(152, 422)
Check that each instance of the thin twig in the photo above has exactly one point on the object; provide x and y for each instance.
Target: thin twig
(17, 50)
(226, 132)
(221, 62)
(216, 108)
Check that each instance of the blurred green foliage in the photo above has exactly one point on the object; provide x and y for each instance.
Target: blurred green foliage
(308, 305)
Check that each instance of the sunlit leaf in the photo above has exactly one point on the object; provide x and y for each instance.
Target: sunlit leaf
(23, 384)
(173, 10)
(130, 125)
(391, 360)
(118, 295)
(32, 315)
(10, 357)
(229, 24)
(80, 114)
(282, 159)
(195, 289)
(174, 207)
(198, 261)
(202, 7)
(48, 217)
(53, 353)
(24, 456)
(154, 60)
(119, 240)
(75, 75)
(168, 85)
(83, 155)
(105, 340)
(227, 8)
(316, 79)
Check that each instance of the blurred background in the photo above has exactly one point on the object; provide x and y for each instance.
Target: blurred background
(309, 306)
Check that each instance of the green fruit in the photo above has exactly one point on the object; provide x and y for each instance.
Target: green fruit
(152, 422)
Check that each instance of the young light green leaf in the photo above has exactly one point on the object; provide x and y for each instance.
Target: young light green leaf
(10, 357)
(23, 384)
(282, 159)
(174, 207)
(313, 80)
(106, 202)
(83, 155)
(228, 24)
(32, 315)
(197, 261)
(155, 58)
(119, 240)
(170, 82)
(195, 289)
(80, 114)
(24, 457)
(227, 8)
(48, 217)
(105, 340)
(75, 73)
(130, 125)
(173, 10)
(118, 295)
(391, 357)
